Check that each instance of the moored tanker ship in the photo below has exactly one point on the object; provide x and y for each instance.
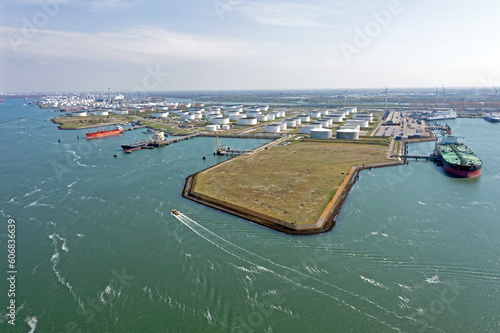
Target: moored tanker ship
(103, 133)
(457, 158)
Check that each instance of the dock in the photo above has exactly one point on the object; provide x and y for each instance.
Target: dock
(431, 157)
(162, 143)
(155, 143)
(224, 150)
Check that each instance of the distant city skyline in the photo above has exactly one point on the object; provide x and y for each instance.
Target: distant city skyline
(140, 45)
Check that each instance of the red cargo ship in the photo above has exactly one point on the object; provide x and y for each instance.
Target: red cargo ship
(103, 133)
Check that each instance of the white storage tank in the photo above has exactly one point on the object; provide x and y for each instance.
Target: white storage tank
(298, 121)
(321, 133)
(304, 118)
(262, 117)
(220, 120)
(273, 128)
(324, 112)
(318, 125)
(315, 114)
(160, 115)
(120, 111)
(347, 134)
(351, 126)
(230, 112)
(271, 116)
(283, 126)
(325, 122)
(362, 123)
(336, 119)
(306, 129)
(209, 116)
(291, 123)
(235, 109)
(212, 128)
(252, 114)
(339, 113)
(101, 113)
(198, 115)
(264, 108)
(247, 121)
(226, 127)
(364, 116)
(236, 116)
(79, 114)
(189, 117)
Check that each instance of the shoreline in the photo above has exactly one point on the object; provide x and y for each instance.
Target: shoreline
(325, 223)
(79, 128)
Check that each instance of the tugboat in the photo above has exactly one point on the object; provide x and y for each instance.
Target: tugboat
(175, 212)
(103, 133)
(457, 158)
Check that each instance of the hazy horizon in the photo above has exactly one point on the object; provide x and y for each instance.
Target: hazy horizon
(233, 45)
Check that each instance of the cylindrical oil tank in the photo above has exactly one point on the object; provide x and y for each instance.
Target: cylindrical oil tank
(262, 117)
(315, 114)
(335, 118)
(291, 123)
(347, 134)
(220, 120)
(212, 128)
(322, 133)
(247, 121)
(189, 117)
(304, 118)
(160, 115)
(236, 116)
(226, 127)
(306, 129)
(362, 123)
(273, 128)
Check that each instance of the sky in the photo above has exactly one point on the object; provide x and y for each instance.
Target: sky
(145, 45)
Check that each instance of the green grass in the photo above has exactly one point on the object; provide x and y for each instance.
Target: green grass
(293, 182)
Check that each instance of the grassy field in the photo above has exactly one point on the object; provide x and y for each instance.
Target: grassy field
(293, 183)
(82, 122)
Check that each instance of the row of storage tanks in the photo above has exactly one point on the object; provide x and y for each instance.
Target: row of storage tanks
(252, 117)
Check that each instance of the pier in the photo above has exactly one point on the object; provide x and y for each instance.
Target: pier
(158, 142)
(420, 157)
(224, 150)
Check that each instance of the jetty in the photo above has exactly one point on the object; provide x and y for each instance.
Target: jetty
(158, 141)
(431, 157)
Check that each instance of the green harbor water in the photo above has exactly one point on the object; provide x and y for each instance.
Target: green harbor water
(97, 249)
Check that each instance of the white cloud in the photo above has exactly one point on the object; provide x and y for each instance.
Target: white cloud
(137, 44)
(286, 14)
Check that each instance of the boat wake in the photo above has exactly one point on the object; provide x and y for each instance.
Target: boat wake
(55, 261)
(269, 266)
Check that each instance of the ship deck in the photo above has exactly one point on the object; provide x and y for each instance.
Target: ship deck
(459, 154)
